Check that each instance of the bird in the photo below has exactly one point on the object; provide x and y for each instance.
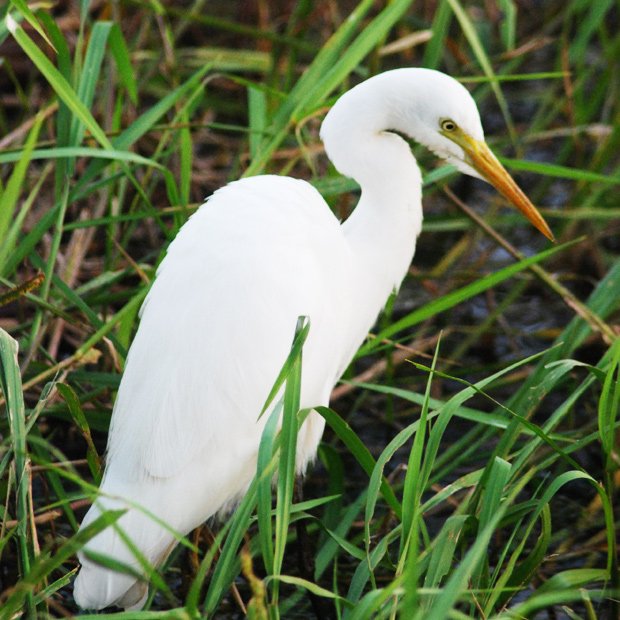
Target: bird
(217, 323)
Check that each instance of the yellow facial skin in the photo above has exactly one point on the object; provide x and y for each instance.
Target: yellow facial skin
(480, 157)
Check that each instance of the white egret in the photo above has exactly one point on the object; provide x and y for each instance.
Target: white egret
(217, 323)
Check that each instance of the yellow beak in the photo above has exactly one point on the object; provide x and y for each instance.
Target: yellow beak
(481, 158)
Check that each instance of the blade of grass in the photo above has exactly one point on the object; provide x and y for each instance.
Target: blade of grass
(374, 486)
(8, 249)
(609, 406)
(265, 469)
(362, 573)
(589, 25)
(11, 382)
(361, 453)
(508, 25)
(30, 17)
(328, 550)
(75, 409)
(89, 76)
(444, 547)
(84, 349)
(435, 47)
(118, 47)
(515, 577)
(414, 487)
(10, 195)
(228, 564)
(287, 466)
(471, 35)
(50, 264)
(549, 600)
(288, 366)
(559, 172)
(257, 119)
(63, 152)
(490, 502)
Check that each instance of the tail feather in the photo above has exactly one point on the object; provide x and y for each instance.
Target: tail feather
(97, 586)
(184, 501)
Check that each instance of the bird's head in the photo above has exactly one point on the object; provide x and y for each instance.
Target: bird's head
(444, 118)
(432, 109)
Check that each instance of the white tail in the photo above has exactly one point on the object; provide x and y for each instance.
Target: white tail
(96, 586)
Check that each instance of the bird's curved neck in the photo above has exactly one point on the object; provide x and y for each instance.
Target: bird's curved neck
(388, 218)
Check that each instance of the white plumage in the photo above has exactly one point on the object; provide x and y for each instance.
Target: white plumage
(219, 319)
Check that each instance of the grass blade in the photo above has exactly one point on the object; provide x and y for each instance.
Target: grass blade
(11, 382)
(11, 193)
(287, 468)
(472, 37)
(90, 76)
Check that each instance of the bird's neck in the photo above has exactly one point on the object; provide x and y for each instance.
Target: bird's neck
(381, 232)
(383, 229)
(388, 218)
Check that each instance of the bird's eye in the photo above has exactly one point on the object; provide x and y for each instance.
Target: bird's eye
(448, 125)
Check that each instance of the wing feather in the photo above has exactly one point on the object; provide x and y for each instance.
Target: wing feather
(219, 320)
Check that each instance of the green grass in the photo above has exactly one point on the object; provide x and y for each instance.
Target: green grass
(470, 464)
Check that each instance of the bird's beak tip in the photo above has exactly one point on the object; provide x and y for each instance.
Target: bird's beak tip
(488, 166)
